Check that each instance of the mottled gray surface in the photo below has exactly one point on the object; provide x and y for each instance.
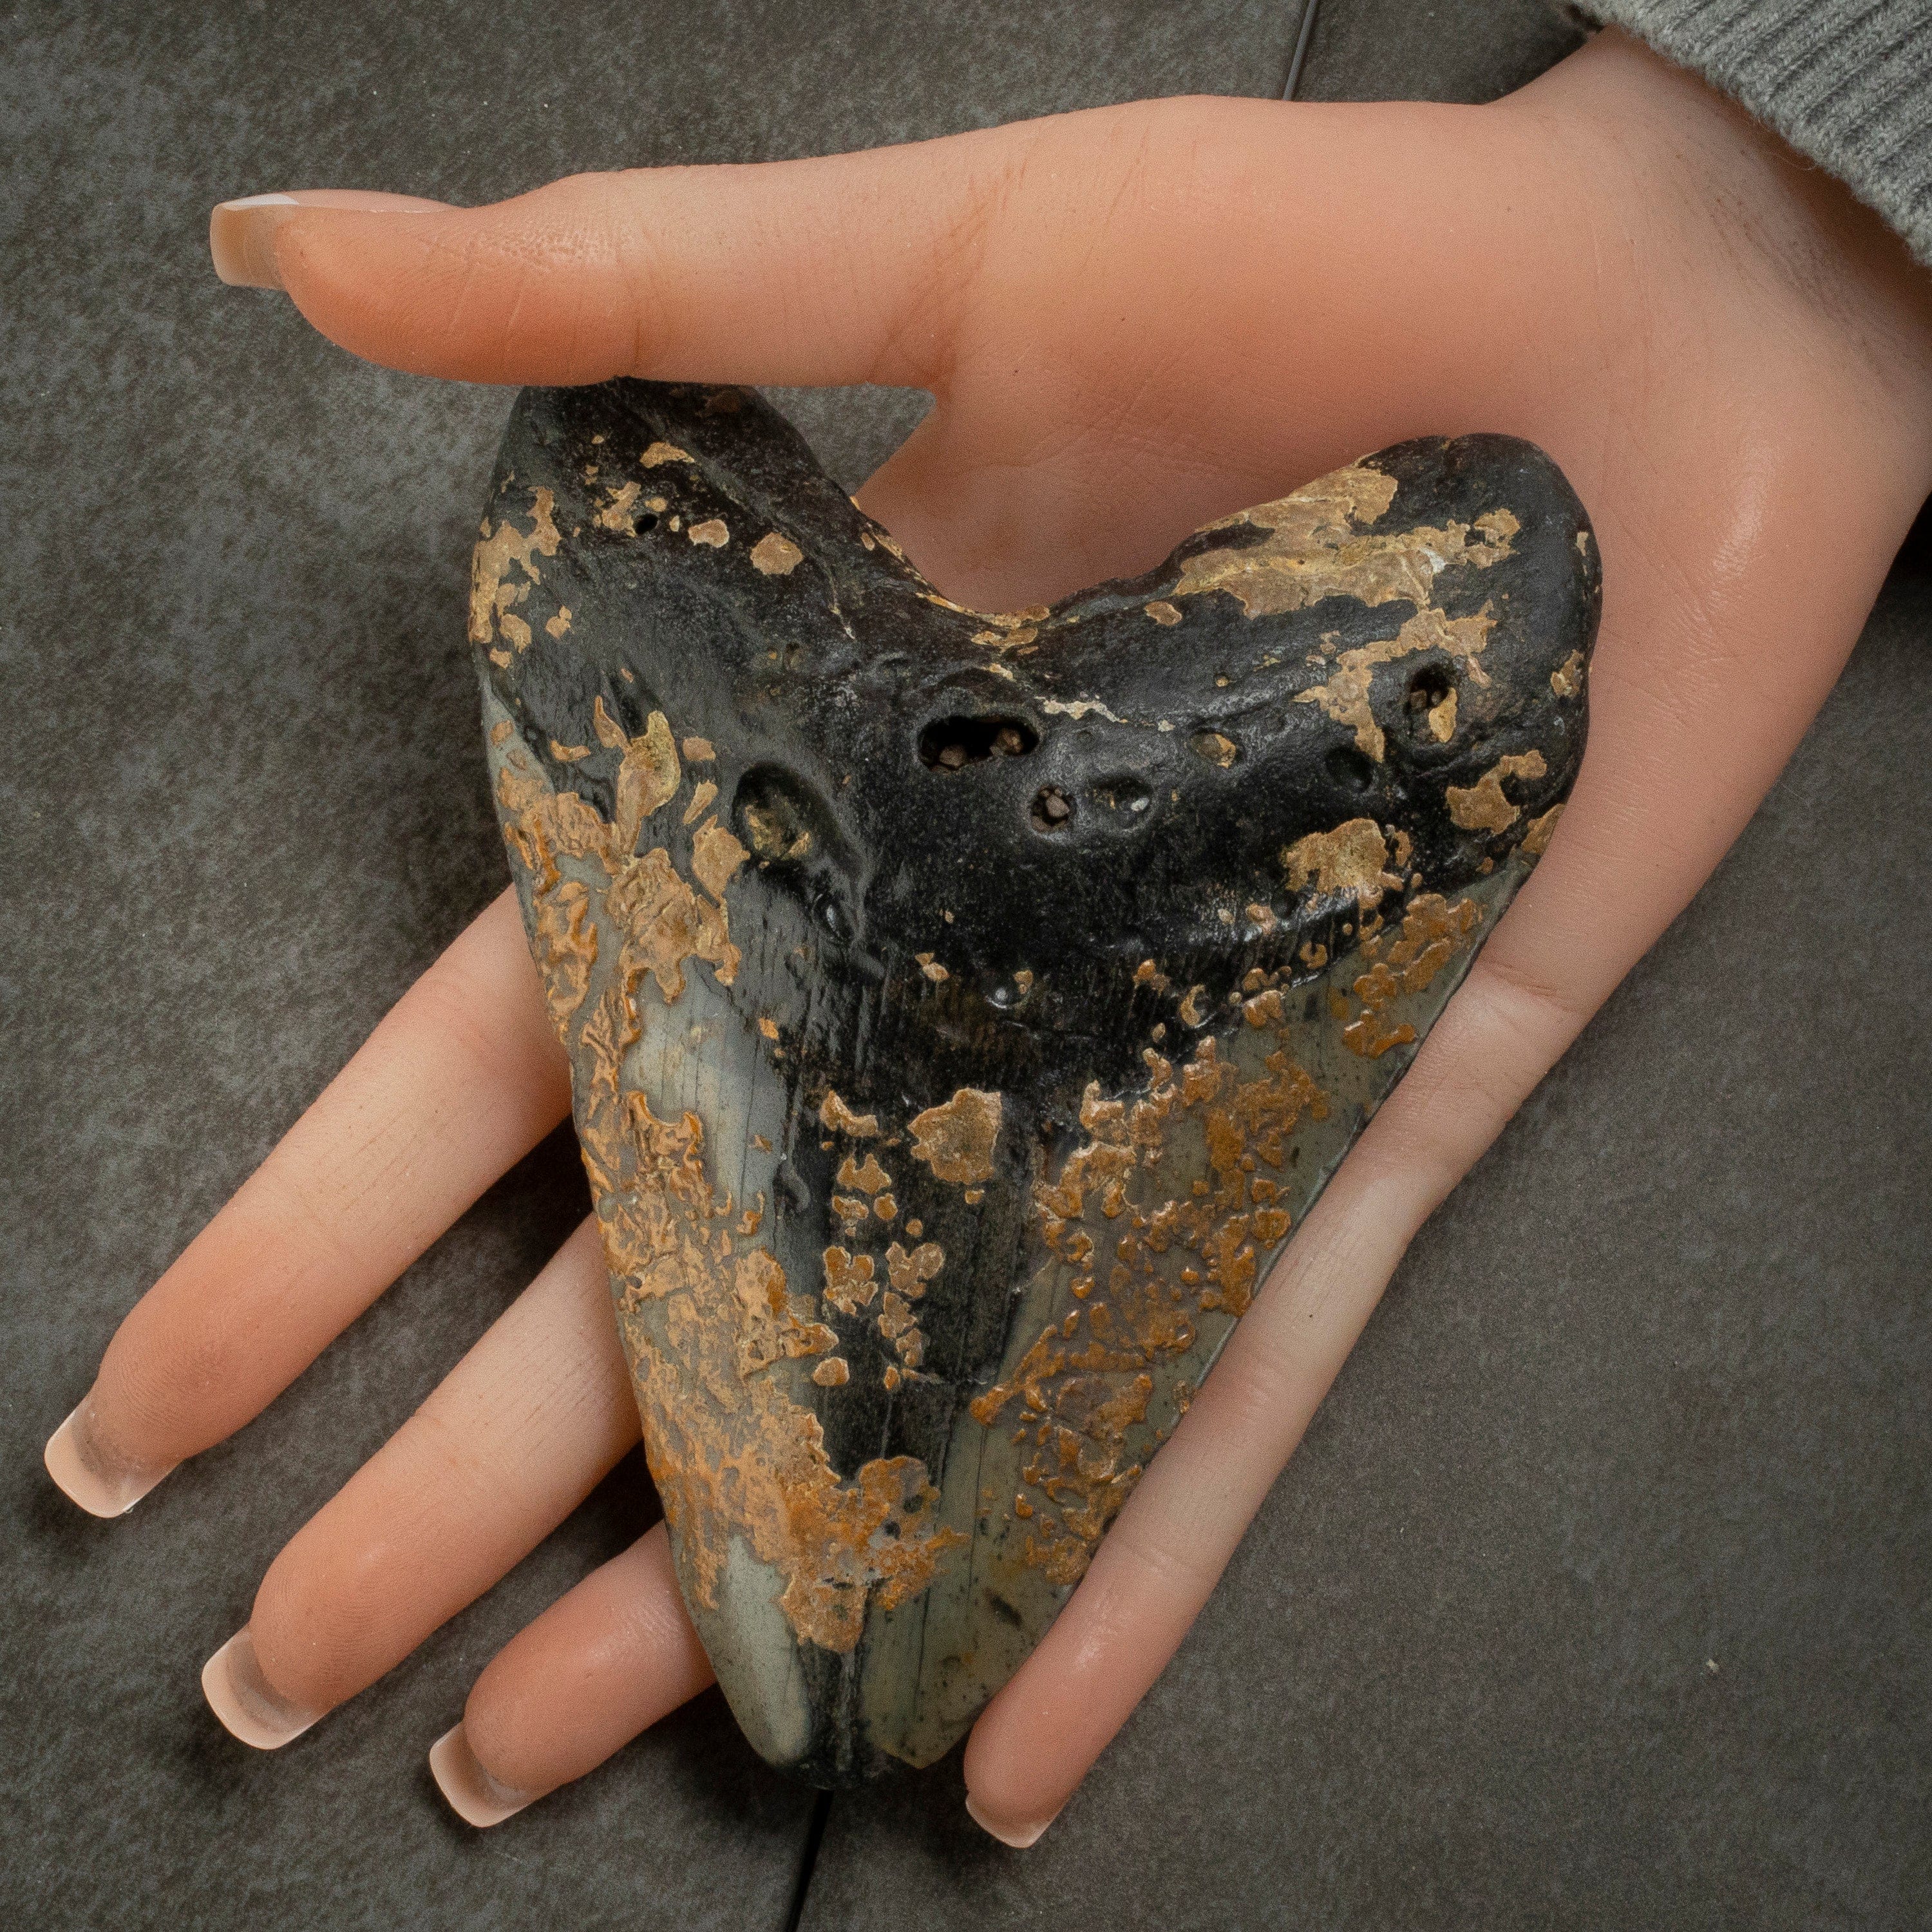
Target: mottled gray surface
(1650, 1390)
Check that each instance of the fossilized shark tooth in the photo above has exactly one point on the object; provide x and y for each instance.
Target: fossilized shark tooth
(964, 1007)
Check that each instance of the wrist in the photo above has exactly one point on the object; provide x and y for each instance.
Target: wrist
(1777, 263)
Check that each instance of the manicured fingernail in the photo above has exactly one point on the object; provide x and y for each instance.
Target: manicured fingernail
(1018, 1836)
(474, 1795)
(90, 1473)
(241, 234)
(246, 1701)
(241, 237)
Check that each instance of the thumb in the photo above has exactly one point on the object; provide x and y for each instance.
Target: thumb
(846, 269)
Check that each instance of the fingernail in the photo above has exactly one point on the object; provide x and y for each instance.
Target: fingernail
(241, 234)
(474, 1795)
(241, 237)
(246, 1701)
(1018, 1836)
(91, 1474)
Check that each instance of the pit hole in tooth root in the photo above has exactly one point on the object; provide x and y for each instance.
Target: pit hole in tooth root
(1427, 688)
(1350, 767)
(1124, 794)
(794, 839)
(781, 818)
(1052, 809)
(951, 744)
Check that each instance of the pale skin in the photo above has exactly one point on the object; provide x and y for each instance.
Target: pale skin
(1132, 321)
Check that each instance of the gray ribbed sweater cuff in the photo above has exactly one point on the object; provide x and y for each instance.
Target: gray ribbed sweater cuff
(1847, 83)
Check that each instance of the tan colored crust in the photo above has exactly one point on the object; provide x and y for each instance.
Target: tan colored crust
(708, 1316)
(490, 595)
(775, 556)
(1482, 807)
(1353, 858)
(955, 1139)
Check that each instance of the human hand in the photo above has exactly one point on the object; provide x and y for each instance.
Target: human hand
(1133, 321)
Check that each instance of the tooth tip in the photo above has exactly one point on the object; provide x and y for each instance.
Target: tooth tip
(248, 1706)
(471, 1793)
(87, 1478)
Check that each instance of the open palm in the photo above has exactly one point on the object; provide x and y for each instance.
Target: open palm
(1132, 321)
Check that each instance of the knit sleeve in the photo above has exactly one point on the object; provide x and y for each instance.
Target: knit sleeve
(1847, 83)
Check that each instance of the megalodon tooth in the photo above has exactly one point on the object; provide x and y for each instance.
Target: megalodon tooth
(965, 1007)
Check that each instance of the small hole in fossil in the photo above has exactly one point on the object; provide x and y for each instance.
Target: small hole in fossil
(1051, 808)
(780, 818)
(951, 744)
(1430, 705)
(1217, 747)
(1348, 765)
(1124, 793)
(1427, 688)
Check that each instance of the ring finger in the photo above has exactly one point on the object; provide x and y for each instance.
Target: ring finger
(511, 1440)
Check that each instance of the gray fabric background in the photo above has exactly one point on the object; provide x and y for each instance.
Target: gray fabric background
(1596, 1598)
